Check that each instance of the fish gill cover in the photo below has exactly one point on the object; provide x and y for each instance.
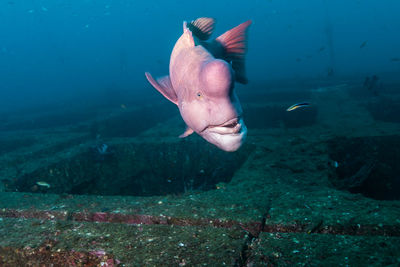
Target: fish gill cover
(92, 169)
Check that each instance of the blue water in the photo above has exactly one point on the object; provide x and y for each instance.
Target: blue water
(52, 52)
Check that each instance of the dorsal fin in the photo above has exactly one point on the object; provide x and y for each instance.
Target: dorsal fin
(187, 37)
(234, 43)
(202, 28)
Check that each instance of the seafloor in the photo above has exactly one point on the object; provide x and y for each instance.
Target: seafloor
(317, 186)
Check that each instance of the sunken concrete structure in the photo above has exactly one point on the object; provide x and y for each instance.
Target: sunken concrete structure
(112, 186)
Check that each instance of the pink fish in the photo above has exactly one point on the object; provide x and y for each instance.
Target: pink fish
(201, 82)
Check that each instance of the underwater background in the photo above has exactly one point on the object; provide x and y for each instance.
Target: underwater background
(55, 52)
(92, 172)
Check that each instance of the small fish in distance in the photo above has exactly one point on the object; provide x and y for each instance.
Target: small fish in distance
(298, 105)
(43, 184)
(363, 44)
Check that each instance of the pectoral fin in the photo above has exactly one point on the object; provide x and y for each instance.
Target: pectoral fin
(187, 132)
(164, 86)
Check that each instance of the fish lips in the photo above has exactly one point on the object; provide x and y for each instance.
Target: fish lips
(228, 136)
(232, 126)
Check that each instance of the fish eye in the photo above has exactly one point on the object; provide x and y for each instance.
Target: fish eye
(199, 95)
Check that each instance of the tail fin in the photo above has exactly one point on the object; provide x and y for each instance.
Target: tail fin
(234, 42)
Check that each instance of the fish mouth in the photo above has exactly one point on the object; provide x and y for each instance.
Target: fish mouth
(233, 127)
(228, 136)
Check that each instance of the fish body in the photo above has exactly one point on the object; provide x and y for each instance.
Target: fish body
(201, 82)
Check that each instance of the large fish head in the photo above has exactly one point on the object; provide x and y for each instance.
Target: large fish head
(211, 107)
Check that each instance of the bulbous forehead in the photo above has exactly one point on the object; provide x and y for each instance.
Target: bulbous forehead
(217, 77)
